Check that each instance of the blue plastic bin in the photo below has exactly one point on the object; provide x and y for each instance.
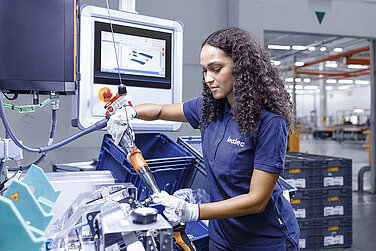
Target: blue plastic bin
(169, 163)
(334, 233)
(301, 172)
(198, 178)
(307, 237)
(333, 202)
(330, 171)
(304, 204)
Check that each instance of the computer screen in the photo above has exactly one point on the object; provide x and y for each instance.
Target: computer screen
(143, 56)
(137, 55)
(149, 58)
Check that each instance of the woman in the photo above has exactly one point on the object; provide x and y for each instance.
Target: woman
(244, 116)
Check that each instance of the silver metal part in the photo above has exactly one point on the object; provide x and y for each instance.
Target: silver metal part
(9, 150)
(113, 227)
(146, 176)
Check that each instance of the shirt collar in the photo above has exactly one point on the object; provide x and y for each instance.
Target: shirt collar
(226, 107)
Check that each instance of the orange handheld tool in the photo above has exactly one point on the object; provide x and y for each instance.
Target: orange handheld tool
(134, 155)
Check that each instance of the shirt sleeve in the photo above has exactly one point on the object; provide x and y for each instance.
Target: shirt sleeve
(192, 111)
(271, 146)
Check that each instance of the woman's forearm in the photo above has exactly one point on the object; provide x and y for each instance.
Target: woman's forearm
(254, 202)
(148, 111)
(238, 206)
(170, 112)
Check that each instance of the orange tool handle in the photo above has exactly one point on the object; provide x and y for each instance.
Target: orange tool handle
(137, 160)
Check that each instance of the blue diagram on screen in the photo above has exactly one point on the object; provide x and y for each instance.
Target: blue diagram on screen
(137, 55)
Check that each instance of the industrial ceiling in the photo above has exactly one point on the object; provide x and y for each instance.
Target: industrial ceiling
(339, 62)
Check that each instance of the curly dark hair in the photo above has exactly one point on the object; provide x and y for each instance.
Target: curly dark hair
(257, 82)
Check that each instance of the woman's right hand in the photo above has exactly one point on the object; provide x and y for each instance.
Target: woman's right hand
(120, 122)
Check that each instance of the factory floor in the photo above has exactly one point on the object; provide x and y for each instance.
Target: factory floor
(364, 203)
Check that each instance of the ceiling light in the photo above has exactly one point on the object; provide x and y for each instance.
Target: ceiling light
(343, 87)
(307, 80)
(338, 50)
(299, 92)
(356, 66)
(323, 49)
(275, 62)
(358, 110)
(299, 47)
(345, 81)
(291, 86)
(289, 80)
(311, 87)
(331, 64)
(298, 80)
(361, 82)
(331, 81)
(328, 88)
(299, 87)
(279, 47)
(311, 48)
(299, 63)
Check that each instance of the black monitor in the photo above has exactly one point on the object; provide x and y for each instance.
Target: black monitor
(143, 56)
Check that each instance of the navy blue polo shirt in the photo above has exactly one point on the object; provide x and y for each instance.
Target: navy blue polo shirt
(229, 162)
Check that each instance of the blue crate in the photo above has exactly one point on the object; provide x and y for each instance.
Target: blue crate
(198, 178)
(169, 163)
(307, 237)
(304, 204)
(332, 171)
(193, 143)
(336, 172)
(334, 233)
(333, 202)
(198, 233)
(301, 172)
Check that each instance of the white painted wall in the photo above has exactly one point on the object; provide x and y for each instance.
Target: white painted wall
(343, 17)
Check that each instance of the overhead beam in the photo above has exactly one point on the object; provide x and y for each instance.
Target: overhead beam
(332, 57)
(342, 76)
(330, 73)
(358, 60)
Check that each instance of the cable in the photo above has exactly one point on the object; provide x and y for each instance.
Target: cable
(27, 108)
(10, 132)
(117, 59)
(52, 135)
(15, 96)
(97, 126)
(113, 40)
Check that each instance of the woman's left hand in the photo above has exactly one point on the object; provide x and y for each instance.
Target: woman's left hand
(177, 209)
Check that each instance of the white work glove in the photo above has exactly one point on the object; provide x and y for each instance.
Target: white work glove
(177, 209)
(118, 123)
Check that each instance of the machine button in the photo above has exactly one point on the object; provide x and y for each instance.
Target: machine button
(107, 93)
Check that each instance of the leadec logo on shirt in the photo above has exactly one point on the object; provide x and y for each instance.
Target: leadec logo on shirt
(235, 141)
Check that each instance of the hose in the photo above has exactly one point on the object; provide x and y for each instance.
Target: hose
(52, 135)
(10, 132)
(97, 126)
